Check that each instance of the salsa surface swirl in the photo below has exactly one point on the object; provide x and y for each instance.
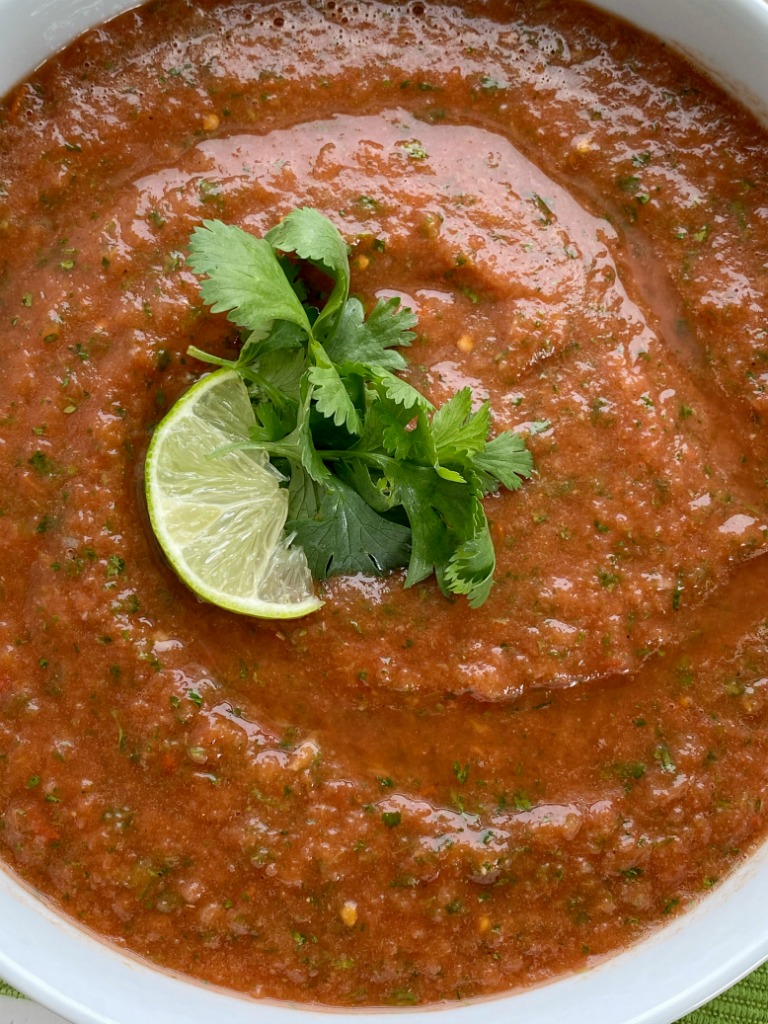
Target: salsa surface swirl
(397, 800)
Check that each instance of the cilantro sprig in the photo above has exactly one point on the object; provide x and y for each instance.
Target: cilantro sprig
(378, 479)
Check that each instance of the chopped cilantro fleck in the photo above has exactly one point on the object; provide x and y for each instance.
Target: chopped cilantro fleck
(115, 565)
(43, 464)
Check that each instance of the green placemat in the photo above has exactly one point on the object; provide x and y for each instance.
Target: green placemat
(745, 1003)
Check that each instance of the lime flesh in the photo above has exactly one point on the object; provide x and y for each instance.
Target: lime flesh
(219, 514)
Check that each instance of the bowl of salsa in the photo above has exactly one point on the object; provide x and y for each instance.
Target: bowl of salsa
(546, 804)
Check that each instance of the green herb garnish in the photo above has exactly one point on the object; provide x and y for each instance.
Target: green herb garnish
(378, 478)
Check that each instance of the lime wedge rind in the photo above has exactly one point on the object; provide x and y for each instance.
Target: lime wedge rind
(219, 512)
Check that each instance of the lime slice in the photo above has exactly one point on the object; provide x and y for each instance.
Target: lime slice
(219, 518)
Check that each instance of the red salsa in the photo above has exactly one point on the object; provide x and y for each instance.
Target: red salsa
(399, 799)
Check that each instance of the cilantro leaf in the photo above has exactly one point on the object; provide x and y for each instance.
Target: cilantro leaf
(281, 335)
(272, 422)
(345, 535)
(385, 428)
(506, 459)
(369, 481)
(305, 496)
(459, 433)
(314, 238)
(372, 341)
(245, 279)
(333, 399)
(471, 566)
(396, 389)
(281, 371)
(311, 237)
(438, 511)
(392, 324)
(298, 447)
(421, 444)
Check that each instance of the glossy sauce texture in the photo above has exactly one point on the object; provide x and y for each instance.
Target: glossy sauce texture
(397, 800)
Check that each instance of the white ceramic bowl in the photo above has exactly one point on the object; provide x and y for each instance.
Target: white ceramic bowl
(657, 981)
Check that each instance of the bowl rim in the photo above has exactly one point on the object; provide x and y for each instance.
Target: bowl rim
(656, 981)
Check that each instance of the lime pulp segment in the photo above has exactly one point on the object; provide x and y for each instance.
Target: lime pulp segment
(219, 512)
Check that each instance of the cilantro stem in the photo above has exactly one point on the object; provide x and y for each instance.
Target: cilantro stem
(206, 357)
(277, 397)
(382, 462)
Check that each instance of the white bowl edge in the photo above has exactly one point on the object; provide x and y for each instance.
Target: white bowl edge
(656, 982)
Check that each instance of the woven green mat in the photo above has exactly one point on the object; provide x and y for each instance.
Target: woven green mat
(745, 1003)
